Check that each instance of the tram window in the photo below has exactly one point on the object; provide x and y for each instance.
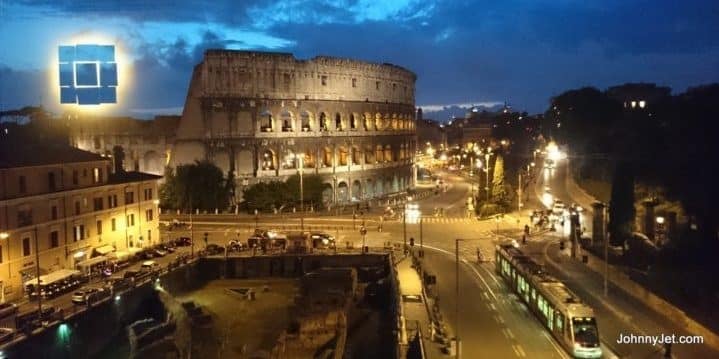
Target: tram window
(534, 295)
(560, 322)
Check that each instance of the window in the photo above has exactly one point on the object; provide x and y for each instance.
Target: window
(354, 82)
(75, 179)
(324, 80)
(24, 217)
(53, 212)
(113, 224)
(96, 175)
(98, 225)
(25, 247)
(96, 142)
(112, 201)
(84, 172)
(130, 220)
(149, 235)
(97, 203)
(78, 232)
(148, 215)
(129, 197)
(77, 208)
(22, 184)
(54, 239)
(51, 181)
(394, 87)
(148, 194)
(376, 85)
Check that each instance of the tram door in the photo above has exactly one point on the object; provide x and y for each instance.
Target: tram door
(550, 318)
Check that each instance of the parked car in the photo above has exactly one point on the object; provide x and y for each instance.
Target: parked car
(183, 241)
(146, 254)
(136, 276)
(213, 249)
(322, 240)
(7, 309)
(84, 294)
(6, 335)
(158, 252)
(149, 266)
(167, 247)
(236, 246)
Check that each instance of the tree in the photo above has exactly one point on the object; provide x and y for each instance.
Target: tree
(498, 189)
(200, 185)
(621, 205)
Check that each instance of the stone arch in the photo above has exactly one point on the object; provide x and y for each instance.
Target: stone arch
(369, 155)
(342, 155)
(268, 160)
(401, 152)
(327, 155)
(306, 123)
(288, 159)
(152, 163)
(394, 122)
(287, 121)
(327, 192)
(324, 122)
(221, 159)
(379, 187)
(379, 154)
(339, 122)
(387, 153)
(367, 121)
(356, 190)
(395, 184)
(387, 185)
(343, 192)
(368, 188)
(309, 160)
(354, 121)
(243, 163)
(387, 121)
(377, 121)
(356, 155)
(266, 121)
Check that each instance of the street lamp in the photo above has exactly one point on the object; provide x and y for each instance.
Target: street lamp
(456, 302)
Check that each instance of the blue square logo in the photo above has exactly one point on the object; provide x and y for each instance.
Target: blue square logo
(88, 74)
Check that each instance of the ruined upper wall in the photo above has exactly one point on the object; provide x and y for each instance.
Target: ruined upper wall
(252, 74)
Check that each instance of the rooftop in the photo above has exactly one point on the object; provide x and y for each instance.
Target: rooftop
(14, 154)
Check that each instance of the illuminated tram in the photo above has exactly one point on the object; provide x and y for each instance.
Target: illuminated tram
(569, 320)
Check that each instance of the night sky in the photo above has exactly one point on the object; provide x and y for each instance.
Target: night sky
(464, 52)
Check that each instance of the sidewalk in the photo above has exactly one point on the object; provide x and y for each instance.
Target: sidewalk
(416, 317)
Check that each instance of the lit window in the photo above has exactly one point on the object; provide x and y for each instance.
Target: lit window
(642, 104)
(634, 104)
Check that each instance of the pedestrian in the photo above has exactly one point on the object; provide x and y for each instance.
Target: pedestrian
(524, 239)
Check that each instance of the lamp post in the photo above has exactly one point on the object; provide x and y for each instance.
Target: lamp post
(456, 302)
(302, 193)
(486, 161)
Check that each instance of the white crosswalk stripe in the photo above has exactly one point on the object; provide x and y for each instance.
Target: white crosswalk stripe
(448, 220)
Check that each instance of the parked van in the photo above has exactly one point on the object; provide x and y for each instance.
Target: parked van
(149, 266)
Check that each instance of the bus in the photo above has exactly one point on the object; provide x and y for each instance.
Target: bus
(54, 284)
(571, 322)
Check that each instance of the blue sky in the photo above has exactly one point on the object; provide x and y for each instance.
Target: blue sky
(464, 52)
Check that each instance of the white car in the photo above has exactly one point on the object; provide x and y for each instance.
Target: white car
(558, 208)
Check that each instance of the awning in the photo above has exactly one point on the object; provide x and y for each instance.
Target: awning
(53, 276)
(134, 250)
(118, 255)
(92, 261)
(104, 250)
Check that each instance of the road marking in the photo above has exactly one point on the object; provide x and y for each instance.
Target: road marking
(494, 278)
(556, 346)
(499, 319)
(485, 296)
(491, 306)
(518, 350)
(470, 266)
(508, 333)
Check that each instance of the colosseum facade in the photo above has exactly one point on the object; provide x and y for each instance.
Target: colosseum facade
(267, 116)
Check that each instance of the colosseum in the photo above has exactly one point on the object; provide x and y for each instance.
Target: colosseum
(267, 116)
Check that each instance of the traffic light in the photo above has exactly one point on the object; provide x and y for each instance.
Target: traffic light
(411, 241)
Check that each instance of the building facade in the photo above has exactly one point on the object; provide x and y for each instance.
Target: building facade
(65, 203)
(147, 144)
(266, 116)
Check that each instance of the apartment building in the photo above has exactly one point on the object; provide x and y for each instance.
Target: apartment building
(66, 205)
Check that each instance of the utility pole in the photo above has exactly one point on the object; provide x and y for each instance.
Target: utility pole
(606, 250)
(302, 194)
(519, 190)
(456, 301)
